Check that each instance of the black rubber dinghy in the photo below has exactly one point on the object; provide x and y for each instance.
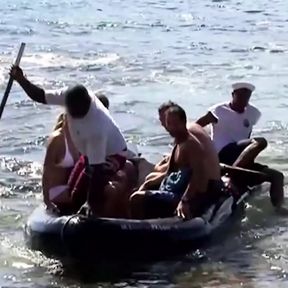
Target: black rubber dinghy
(81, 237)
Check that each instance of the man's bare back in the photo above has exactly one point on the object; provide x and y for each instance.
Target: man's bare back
(211, 161)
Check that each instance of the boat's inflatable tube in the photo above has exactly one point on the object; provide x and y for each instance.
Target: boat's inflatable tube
(83, 237)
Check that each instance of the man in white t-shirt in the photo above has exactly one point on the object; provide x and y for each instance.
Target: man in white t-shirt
(93, 131)
(232, 124)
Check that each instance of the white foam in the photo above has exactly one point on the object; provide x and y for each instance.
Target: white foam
(32, 62)
(50, 60)
(3, 75)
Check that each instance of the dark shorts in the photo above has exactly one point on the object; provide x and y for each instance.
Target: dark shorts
(229, 154)
(163, 203)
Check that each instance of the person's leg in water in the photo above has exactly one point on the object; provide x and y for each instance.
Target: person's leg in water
(245, 177)
(250, 152)
(276, 179)
(260, 174)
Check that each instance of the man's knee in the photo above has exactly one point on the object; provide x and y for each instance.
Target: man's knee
(261, 143)
(277, 176)
(274, 175)
(137, 198)
(137, 205)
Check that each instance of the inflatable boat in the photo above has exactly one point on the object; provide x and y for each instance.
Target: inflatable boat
(83, 238)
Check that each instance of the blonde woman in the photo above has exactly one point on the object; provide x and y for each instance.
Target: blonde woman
(60, 158)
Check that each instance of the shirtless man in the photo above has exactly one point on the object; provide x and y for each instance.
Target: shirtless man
(93, 132)
(192, 181)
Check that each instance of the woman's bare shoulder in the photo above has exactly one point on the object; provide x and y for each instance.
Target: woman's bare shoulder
(55, 138)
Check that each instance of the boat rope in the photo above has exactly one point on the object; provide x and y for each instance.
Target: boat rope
(62, 234)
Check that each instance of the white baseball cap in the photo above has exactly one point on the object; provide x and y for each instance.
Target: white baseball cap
(243, 85)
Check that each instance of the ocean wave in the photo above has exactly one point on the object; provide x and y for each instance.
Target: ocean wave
(52, 60)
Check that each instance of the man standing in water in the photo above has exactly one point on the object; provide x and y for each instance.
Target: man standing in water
(92, 129)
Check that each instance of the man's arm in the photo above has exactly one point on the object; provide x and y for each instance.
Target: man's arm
(163, 165)
(198, 180)
(207, 119)
(34, 92)
(155, 181)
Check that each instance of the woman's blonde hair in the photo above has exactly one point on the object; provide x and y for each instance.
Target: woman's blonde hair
(60, 121)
